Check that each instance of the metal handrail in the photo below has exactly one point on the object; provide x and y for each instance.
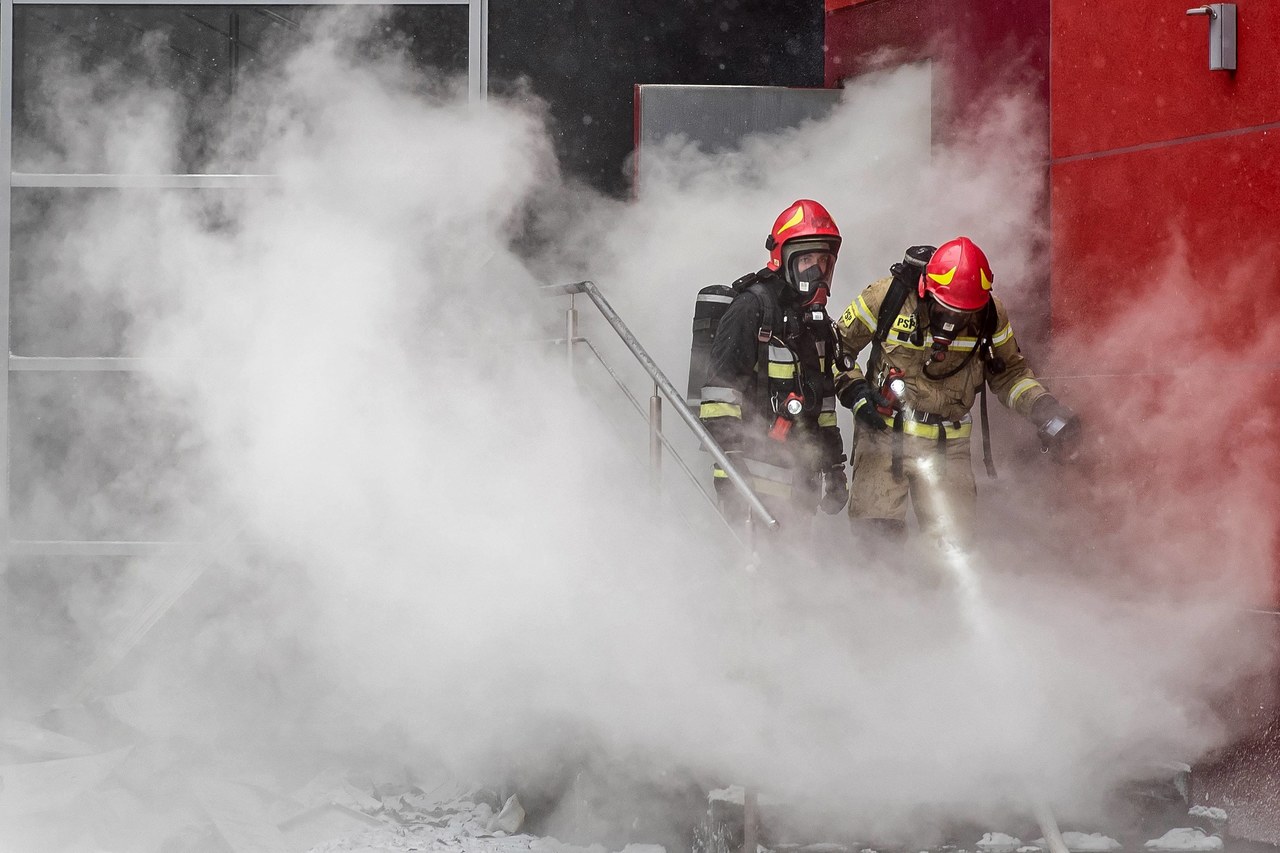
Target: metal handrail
(707, 494)
(663, 384)
(635, 404)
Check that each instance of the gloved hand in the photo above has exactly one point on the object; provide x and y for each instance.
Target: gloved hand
(835, 490)
(863, 399)
(1058, 428)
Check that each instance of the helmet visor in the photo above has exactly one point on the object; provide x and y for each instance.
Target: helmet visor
(946, 323)
(810, 273)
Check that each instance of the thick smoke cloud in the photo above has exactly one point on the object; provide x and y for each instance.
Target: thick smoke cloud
(426, 546)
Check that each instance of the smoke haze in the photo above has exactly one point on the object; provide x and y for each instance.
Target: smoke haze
(426, 545)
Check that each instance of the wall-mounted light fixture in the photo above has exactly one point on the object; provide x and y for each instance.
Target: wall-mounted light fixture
(1222, 34)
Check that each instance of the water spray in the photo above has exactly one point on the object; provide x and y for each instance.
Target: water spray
(978, 614)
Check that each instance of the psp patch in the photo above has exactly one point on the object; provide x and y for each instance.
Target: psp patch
(905, 323)
(847, 318)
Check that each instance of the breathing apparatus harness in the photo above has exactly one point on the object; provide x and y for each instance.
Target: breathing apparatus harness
(786, 409)
(906, 277)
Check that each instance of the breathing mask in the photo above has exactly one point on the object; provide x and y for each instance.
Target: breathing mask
(810, 274)
(945, 325)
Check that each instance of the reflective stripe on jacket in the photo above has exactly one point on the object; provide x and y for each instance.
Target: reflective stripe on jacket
(740, 401)
(909, 350)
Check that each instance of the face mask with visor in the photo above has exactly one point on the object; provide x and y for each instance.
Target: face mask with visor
(813, 281)
(945, 325)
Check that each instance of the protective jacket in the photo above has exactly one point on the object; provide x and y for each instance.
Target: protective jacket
(765, 349)
(944, 399)
(924, 454)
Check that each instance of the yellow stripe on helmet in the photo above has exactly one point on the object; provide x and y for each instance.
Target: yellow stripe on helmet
(794, 220)
(944, 279)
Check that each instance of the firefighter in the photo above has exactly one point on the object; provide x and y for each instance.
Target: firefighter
(770, 396)
(938, 336)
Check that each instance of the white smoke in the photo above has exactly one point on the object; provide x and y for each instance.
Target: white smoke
(426, 545)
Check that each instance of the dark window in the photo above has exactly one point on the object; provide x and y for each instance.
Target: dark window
(199, 54)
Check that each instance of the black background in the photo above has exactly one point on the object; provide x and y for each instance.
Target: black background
(583, 57)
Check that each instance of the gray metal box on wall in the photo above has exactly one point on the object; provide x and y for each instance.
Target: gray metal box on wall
(718, 118)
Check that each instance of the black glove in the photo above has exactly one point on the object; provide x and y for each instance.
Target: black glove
(835, 490)
(1058, 428)
(863, 399)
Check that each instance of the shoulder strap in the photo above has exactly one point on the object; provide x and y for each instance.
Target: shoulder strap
(742, 284)
(894, 299)
(772, 310)
(987, 459)
(770, 319)
(986, 347)
(987, 350)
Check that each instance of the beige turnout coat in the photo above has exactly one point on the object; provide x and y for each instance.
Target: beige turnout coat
(931, 439)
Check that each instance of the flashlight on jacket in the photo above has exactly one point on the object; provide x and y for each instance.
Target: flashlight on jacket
(892, 389)
(787, 414)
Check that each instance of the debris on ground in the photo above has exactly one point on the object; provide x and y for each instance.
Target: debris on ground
(1185, 838)
(1082, 842)
(998, 842)
(1212, 814)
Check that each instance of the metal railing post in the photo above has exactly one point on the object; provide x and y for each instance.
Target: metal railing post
(663, 384)
(750, 811)
(655, 441)
(6, 197)
(570, 333)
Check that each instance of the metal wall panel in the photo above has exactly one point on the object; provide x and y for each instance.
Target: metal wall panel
(719, 117)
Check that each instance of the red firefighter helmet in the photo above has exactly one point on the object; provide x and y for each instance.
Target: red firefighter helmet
(804, 227)
(958, 275)
(804, 218)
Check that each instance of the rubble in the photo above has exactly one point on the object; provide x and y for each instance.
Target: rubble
(1081, 842)
(1186, 838)
(1210, 813)
(998, 842)
(121, 795)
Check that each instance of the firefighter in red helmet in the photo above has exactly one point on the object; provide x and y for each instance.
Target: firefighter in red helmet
(769, 396)
(938, 336)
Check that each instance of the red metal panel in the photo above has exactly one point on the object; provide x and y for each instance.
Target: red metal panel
(979, 45)
(1165, 207)
(1210, 209)
(1129, 73)
(832, 5)
(1166, 277)
(857, 37)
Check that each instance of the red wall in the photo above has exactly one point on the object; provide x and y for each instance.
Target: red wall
(1150, 149)
(974, 44)
(1165, 196)
(1164, 211)
(1165, 260)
